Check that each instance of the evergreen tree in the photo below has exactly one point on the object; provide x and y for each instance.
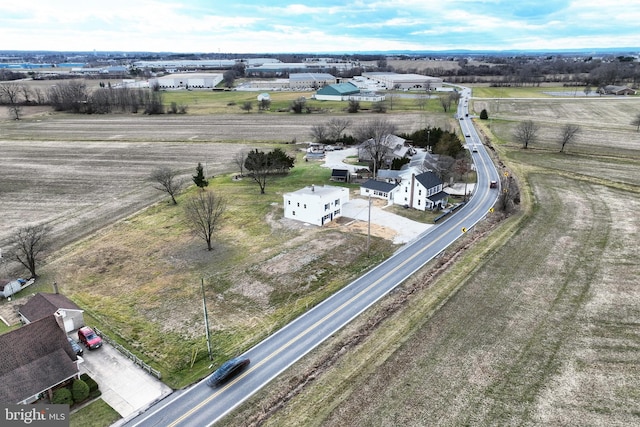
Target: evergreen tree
(199, 178)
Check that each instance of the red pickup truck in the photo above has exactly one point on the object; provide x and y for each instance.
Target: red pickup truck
(89, 338)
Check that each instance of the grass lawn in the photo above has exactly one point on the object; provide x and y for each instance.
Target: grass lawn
(541, 91)
(201, 102)
(525, 329)
(96, 414)
(534, 325)
(256, 279)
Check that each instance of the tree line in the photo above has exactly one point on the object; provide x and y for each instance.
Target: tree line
(74, 96)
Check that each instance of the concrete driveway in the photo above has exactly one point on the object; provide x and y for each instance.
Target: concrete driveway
(406, 229)
(124, 385)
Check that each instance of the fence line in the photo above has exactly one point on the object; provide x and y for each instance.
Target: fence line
(130, 355)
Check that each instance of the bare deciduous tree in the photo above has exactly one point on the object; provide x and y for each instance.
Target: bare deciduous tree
(526, 133)
(337, 126)
(204, 211)
(10, 93)
(167, 180)
(31, 242)
(239, 158)
(510, 196)
(374, 135)
(320, 132)
(569, 133)
(445, 102)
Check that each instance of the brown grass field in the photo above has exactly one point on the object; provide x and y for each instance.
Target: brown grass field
(542, 324)
(531, 321)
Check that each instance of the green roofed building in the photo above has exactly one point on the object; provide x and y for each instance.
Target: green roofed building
(337, 92)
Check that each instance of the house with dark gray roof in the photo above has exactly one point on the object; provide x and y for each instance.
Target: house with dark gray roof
(423, 192)
(44, 304)
(35, 359)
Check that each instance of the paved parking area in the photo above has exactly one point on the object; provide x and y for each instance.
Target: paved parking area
(124, 385)
(406, 229)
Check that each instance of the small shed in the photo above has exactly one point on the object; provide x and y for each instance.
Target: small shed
(340, 175)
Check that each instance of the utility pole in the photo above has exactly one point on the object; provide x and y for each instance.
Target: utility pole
(369, 226)
(206, 319)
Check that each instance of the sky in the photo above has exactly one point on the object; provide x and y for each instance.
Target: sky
(317, 26)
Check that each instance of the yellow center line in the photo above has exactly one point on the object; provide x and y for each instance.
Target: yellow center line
(312, 327)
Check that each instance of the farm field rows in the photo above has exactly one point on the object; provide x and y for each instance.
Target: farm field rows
(543, 329)
(531, 338)
(544, 333)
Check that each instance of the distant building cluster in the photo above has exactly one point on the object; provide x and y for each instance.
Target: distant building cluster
(187, 81)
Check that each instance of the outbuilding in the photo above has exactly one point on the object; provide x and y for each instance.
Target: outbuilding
(43, 304)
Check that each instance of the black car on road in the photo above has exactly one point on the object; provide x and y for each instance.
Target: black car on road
(227, 370)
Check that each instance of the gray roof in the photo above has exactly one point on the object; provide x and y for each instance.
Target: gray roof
(379, 185)
(428, 179)
(307, 76)
(33, 359)
(438, 196)
(43, 305)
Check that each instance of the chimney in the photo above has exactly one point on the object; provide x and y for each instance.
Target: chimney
(59, 316)
(55, 287)
(313, 188)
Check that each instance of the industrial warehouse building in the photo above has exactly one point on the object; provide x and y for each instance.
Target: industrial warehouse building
(301, 81)
(404, 81)
(186, 81)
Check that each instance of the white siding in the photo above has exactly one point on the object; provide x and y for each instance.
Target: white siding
(315, 205)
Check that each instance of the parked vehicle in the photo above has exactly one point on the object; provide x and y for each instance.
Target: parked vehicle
(89, 338)
(227, 370)
(75, 346)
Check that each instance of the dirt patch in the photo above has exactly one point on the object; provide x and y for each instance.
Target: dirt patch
(9, 311)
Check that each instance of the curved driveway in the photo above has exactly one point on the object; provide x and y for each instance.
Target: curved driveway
(202, 406)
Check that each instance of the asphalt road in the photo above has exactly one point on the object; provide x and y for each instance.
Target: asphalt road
(202, 406)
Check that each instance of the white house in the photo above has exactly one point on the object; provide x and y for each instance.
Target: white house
(315, 205)
(423, 192)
